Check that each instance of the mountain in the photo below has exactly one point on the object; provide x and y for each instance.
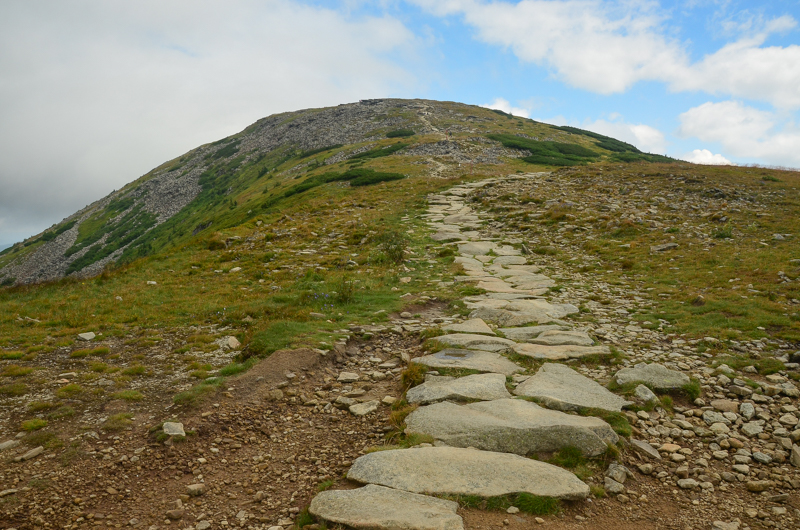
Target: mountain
(226, 182)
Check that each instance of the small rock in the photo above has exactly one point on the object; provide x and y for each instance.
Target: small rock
(757, 486)
(86, 336)
(175, 515)
(232, 343)
(203, 525)
(362, 409)
(173, 428)
(33, 453)
(348, 377)
(688, 483)
(512, 509)
(645, 394)
(195, 490)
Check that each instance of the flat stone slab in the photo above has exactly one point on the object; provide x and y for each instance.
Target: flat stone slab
(560, 353)
(447, 236)
(510, 426)
(527, 333)
(480, 248)
(483, 361)
(473, 341)
(173, 428)
(509, 260)
(562, 388)
(484, 387)
(474, 325)
(458, 471)
(655, 375)
(469, 264)
(514, 313)
(563, 338)
(376, 507)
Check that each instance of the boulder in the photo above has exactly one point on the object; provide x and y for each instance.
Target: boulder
(173, 428)
(510, 426)
(376, 507)
(560, 387)
(484, 387)
(656, 376)
(483, 361)
(458, 471)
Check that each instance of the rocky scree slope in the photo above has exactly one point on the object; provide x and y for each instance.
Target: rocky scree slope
(193, 193)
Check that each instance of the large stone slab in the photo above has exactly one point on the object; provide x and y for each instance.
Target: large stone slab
(655, 375)
(474, 325)
(560, 387)
(458, 471)
(447, 236)
(378, 508)
(509, 260)
(520, 312)
(525, 334)
(560, 353)
(563, 338)
(477, 248)
(484, 387)
(510, 426)
(469, 264)
(483, 361)
(475, 342)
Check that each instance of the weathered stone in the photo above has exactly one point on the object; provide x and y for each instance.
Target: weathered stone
(520, 312)
(173, 428)
(231, 343)
(725, 405)
(612, 486)
(565, 338)
(688, 483)
(645, 449)
(757, 486)
(89, 335)
(662, 248)
(348, 377)
(559, 353)
(527, 333)
(8, 444)
(457, 471)
(362, 409)
(485, 387)
(195, 490)
(645, 394)
(475, 342)
(509, 260)
(654, 375)
(482, 361)
(794, 459)
(562, 388)
(378, 508)
(510, 426)
(475, 325)
(752, 428)
(33, 453)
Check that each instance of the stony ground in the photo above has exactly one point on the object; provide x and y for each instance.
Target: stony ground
(258, 451)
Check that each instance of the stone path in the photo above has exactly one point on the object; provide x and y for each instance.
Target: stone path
(481, 447)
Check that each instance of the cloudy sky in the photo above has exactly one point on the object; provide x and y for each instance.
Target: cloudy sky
(94, 93)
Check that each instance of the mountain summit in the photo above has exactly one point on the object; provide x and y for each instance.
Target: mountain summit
(224, 182)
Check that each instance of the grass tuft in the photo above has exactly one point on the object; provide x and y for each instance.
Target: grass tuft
(33, 424)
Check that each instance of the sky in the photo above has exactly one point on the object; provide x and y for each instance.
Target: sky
(95, 93)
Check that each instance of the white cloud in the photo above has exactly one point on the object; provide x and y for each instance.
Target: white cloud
(605, 47)
(505, 106)
(94, 93)
(744, 132)
(646, 138)
(704, 156)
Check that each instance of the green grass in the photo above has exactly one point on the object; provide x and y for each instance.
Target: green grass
(527, 503)
(33, 424)
(128, 395)
(64, 411)
(118, 422)
(617, 420)
(195, 395)
(11, 355)
(135, 370)
(70, 391)
(400, 133)
(13, 370)
(13, 389)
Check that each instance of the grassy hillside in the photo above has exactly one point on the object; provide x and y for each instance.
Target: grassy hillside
(292, 243)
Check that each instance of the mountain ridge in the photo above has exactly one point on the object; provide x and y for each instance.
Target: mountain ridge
(184, 195)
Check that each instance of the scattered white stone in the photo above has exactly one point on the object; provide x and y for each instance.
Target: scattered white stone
(173, 428)
(89, 335)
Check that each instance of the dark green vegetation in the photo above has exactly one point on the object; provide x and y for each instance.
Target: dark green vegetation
(546, 152)
(400, 133)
